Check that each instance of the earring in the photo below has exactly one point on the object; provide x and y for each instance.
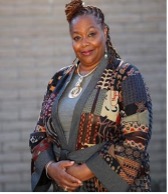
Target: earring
(105, 55)
(106, 52)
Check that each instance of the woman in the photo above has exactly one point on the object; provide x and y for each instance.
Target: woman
(95, 121)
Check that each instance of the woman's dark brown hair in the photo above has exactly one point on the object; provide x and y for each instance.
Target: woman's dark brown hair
(76, 8)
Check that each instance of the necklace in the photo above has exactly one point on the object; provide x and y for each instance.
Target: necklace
(77, 89)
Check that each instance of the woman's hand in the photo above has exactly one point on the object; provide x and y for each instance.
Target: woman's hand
(57, 171)
(82, 172)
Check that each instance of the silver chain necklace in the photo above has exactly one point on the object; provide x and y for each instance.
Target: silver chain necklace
(77, 89)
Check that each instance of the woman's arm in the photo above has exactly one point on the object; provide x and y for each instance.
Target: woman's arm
(40, 144)
(57, 171)
(80, 171)
(121, 160)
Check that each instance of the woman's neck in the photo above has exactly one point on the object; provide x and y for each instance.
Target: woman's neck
(85, 69)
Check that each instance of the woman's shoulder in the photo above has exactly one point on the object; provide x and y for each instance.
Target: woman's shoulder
(57, 76)
(126, 68)
(125, 65)
(62, 71)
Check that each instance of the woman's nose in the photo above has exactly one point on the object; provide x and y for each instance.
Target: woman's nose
(85, 42)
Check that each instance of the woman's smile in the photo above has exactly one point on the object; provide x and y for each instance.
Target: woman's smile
(87, 52)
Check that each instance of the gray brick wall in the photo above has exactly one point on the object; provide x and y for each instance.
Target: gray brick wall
(34, 44)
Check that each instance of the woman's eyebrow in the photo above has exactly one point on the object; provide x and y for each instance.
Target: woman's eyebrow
(77, 32)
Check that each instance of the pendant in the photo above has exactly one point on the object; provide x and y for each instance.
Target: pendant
(77, 89)
(75, 92)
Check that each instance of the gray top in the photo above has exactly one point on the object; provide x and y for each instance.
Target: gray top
(66, 105)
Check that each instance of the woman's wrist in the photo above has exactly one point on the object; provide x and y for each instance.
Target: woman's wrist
(46, 168)
(87, 173)
(82, 172)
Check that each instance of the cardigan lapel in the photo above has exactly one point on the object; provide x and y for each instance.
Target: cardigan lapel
(56, 122)
(81, 102)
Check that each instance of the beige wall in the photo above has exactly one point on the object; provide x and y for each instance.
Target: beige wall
(34, 44)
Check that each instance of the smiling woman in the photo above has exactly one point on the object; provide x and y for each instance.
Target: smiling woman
(96, 118)
(88, 41)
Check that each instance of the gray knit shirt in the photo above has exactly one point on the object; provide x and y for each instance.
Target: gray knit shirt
(66, 105)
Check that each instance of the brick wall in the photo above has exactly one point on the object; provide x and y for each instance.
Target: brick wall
(34, 44)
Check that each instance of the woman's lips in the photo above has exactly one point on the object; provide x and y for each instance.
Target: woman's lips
(87, 53)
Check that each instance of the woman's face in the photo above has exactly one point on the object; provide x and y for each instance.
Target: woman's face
(88, 39)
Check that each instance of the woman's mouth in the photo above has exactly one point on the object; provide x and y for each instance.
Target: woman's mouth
(87, 53)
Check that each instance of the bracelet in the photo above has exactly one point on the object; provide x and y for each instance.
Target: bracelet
(46, 168)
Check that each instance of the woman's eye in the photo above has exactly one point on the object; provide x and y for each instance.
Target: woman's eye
(92, 34)
(76, 38)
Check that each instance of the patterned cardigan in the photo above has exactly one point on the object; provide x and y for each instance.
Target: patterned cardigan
(110, 130)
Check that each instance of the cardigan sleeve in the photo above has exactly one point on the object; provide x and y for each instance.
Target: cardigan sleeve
(40, 141)
(41, 147)
(120, 162)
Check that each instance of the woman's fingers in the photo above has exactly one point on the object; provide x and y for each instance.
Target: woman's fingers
(57, 171)
(70, 180)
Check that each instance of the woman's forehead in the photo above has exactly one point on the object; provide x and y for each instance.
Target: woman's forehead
(84, 21)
